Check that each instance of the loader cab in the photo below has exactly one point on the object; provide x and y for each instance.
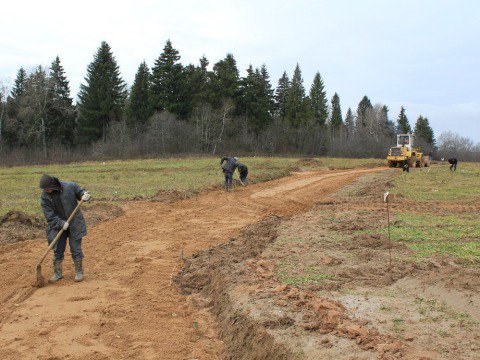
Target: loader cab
(405, 140)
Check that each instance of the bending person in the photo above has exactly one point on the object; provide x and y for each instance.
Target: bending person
(59, 199)
(229, 164)
(243, 172)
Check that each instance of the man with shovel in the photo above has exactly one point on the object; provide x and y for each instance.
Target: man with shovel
(58, 200)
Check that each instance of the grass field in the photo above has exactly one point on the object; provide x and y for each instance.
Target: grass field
(449, 225)
(434, 232)
(127, 179)
(438, 183)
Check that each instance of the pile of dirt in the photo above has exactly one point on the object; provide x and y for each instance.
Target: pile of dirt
(171, 196)
(97, 212)
(18, 226)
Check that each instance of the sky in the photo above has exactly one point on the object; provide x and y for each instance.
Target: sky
(424, 55)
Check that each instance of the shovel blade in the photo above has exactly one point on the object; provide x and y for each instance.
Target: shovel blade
(40, 278)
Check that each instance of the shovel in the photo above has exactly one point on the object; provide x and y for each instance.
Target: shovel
(38, 270)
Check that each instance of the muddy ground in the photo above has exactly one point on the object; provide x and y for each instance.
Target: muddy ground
(297, 279)
(317, 285)
(128, 306)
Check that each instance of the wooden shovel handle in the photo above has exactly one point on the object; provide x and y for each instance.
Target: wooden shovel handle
(52, 244)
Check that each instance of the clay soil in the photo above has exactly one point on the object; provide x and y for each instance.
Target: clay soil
(318, 285)
(129, 305)
(277, 270)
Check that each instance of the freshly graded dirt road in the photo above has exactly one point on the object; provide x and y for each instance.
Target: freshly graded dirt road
(126, 307)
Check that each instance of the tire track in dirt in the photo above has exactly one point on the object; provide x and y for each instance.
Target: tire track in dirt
(126, 307)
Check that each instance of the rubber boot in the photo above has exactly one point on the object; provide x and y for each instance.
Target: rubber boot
(78, 270)
(57, 271)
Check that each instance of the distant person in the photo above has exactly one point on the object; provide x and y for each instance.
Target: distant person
(58, 200)
(406, 166)
(453, 164)
(431, 156)
(228, 169)
(243, 172)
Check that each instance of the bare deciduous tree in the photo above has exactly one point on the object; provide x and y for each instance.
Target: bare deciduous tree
(224, 116)
(4, 90)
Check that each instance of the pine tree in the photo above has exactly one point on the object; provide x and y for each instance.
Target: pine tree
(385, 123)
(349, 123)
(403, 126)
(225, 80)
(281, 95)
(266, 95)
(61, 113)
(200, 84)
(424, 131)
(318, 100)
(296, 109)
(169, 85)
(255, 101)
(248, 88)
(20, 85)
(18, 90)
(336, 120)
(102, 98)
(363, 105)
(140, 107)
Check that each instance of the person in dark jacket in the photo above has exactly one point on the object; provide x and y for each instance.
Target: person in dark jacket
(243, 172)
(453, 164)
(58, 200)
(228, 169)
(406, 166)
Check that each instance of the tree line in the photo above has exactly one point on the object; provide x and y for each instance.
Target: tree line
(173, 108)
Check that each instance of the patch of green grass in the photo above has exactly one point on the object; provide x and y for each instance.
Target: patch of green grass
(127, 179)
(462, 319)
(306, 279)
(439, 183)
(430, 234)
(385, 308)
(398, 325)
(443, 332)
(392, 293)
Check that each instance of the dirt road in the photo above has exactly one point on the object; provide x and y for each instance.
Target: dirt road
(126, 307)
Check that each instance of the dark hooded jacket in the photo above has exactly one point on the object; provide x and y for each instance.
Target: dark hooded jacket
(230, 164)
(59, 205)
(242, 169)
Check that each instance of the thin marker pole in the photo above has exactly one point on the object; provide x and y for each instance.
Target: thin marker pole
(386, 198)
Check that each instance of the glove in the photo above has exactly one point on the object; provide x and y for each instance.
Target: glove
(86, 196)
(65, 225)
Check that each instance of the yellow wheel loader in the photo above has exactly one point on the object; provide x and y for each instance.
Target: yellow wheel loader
(405, 151)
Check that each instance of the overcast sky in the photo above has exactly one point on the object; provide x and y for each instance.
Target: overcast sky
(424, 55)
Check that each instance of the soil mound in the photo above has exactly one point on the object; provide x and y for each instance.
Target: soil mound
(97, 212)
(171, 196)
(309, 162)
(17, 226)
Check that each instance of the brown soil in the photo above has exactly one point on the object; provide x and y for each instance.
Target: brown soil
(428, 309)
(126, 307)
(17, 226)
